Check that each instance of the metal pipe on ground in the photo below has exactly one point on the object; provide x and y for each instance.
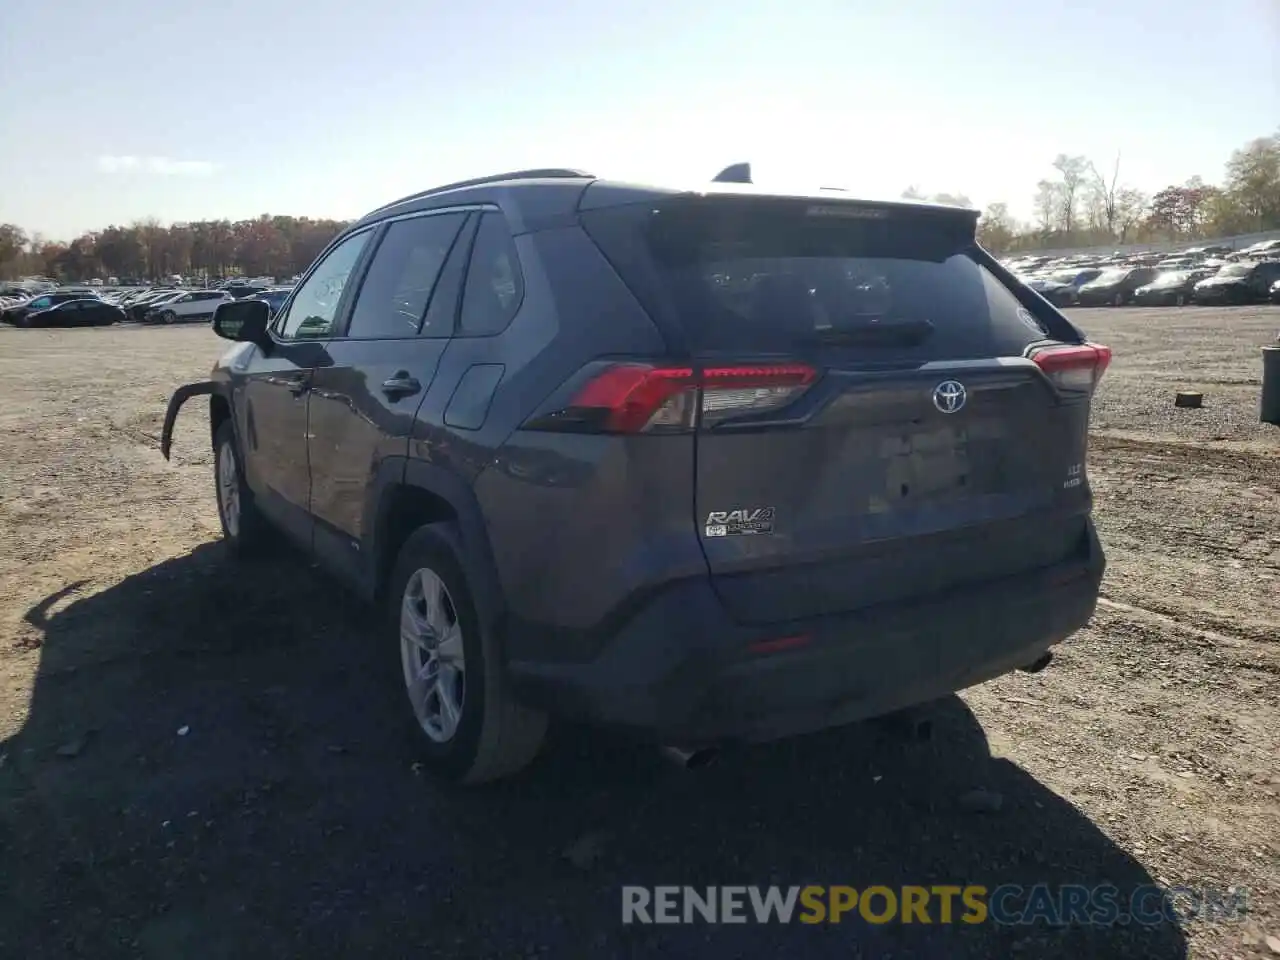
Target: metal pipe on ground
(1269, 411)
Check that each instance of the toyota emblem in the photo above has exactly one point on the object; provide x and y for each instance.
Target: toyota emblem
(949, 396)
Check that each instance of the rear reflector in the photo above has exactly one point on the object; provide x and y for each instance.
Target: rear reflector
(643, 397)
(1075, 366)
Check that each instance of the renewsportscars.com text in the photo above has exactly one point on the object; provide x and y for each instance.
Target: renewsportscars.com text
(1064, 904)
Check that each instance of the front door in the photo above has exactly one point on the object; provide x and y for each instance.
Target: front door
(377, 369)
(273, 410)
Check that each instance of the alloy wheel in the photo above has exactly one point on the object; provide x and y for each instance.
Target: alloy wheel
(229, 489)
(432, 655)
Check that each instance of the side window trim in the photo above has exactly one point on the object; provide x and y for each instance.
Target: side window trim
(281, 317)
(355, 283)
(342, 324)
(461, 248)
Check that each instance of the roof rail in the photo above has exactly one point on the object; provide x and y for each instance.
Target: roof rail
(538, 173)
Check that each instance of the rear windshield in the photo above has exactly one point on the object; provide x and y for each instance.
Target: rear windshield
(746, 275)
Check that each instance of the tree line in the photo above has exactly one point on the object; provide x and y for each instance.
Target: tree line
(275, 246)
(1082, 205)
(1079, 205)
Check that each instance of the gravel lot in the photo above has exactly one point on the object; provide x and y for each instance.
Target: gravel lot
(195, 758)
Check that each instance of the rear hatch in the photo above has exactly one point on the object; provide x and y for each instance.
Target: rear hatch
(878, 414)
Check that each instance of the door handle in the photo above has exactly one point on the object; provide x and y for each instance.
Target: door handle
(401, 385)
(298, 386)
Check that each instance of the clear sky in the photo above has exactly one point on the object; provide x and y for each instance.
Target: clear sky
(115, 111)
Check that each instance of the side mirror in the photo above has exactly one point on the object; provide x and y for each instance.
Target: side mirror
(244, 321)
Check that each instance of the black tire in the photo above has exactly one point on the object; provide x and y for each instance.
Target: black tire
(1118, 300)
(1181, 300)
(251, 535)
(495, 736)
(168, 317)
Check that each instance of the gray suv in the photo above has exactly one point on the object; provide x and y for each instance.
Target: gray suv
(709, 466)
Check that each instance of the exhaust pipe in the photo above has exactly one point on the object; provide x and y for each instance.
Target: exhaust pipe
(690, 759)
(1036, 666)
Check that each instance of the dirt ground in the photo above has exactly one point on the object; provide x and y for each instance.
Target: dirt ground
(197, 760)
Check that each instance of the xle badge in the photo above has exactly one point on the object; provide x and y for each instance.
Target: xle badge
(731, 523)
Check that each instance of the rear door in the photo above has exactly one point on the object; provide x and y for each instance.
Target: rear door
(374, 375)
(871, 427)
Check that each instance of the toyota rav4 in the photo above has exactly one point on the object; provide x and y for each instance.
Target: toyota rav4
(710, 465)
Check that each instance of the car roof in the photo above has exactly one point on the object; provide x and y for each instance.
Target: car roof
(533, 199)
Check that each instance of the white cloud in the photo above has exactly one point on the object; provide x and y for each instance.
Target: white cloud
(164, 166)
(117, 164)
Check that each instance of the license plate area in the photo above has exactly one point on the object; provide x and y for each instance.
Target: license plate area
(927, 465)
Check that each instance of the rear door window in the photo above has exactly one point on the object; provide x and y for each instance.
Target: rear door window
(795, 276)
(396, 289)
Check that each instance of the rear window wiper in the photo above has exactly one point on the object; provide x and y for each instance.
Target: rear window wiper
(893, 333)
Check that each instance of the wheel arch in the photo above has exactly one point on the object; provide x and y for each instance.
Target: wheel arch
(407, 494)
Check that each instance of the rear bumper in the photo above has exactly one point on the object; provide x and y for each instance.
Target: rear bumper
(681, 672)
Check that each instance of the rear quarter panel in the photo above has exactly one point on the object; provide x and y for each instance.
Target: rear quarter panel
(578, 524)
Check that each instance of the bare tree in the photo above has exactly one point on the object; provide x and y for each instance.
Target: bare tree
(1131, 208)
(996, 228)
(1104, 195)
(1047, 205)
(1073, 171)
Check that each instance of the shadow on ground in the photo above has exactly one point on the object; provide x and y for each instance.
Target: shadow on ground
(212, 767)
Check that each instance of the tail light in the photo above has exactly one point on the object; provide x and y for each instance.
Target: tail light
(648, 398)
(1076, 367)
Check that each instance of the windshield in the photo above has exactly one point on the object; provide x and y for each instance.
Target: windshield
(1171, 278)
(1236, 270)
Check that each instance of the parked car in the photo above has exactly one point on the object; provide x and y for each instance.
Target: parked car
(1055, 291)
(137, 308)
(87, 312)
(44, 301)
(1115, 286)
(1179, 263)
(191, 305)
(241, 291)
(1263, 250)
(1063, 287)
(440, 417)
(1275, 292)
(275, 298)
(1170, 288)
(1239, 283)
